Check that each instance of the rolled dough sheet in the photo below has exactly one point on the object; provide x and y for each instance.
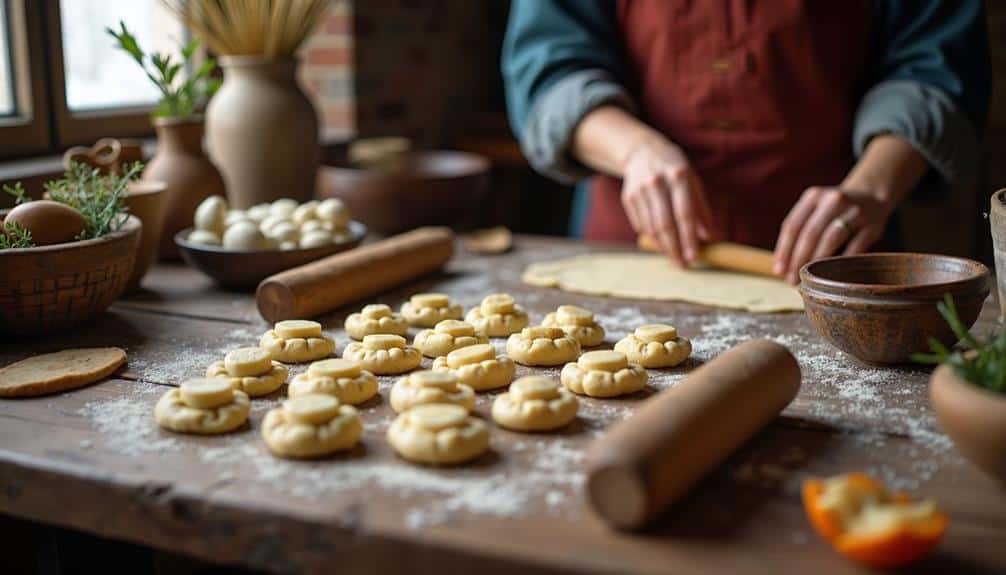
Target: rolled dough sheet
(652, 277)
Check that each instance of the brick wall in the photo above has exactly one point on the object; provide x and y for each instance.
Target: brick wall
(326, 71)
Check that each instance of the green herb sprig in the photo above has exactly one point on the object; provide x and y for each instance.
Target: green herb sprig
(15, 236)
(100, 198)
(17, 192)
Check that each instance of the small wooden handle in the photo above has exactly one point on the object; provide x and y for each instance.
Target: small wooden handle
(725, 255)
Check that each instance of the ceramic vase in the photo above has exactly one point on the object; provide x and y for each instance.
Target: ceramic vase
(973, 417)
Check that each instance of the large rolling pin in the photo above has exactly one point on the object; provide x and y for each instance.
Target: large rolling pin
(725, 255)
(332, 282)
(646, 463)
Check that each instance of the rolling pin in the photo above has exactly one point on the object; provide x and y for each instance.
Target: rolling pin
(332, 282)
(725, 255)
(644, 464)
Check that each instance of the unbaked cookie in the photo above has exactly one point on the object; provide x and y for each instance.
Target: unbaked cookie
(438, 433)
(655, 345)
(535, 403)
(447, 336)
(205, 406)
(478, 366)
(498, 316)
(383, 354)
(604, 373)
(250, 369)
(427, 309)
(375, 318)
(297, 341)
(542, 345)
(59, 371)
(578, 323)
(340, 378)
(311, 425)
(422, 387)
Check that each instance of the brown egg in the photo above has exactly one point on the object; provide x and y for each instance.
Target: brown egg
(49, 222)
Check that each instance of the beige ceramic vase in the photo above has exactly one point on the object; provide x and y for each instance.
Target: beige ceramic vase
(188, 174)
(262, 132)
(145, 200)
(973, 417)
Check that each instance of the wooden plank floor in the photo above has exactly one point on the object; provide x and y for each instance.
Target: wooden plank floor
(94, 460)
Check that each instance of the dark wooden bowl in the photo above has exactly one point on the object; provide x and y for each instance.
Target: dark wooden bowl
(881, 308)
(242, 270)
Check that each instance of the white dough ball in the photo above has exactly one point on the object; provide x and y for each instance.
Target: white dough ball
(283, 232)
(235, 216)
(244, 236)
(287, 246)
(258, 212)
(311, 226)
(271, 222)
(283, 207)
(315, 239)
(204, 237)
(333, 210)
(210, 214)
(341, 236)
(305, 212)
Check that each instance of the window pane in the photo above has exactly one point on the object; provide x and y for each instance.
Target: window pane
(99, 75)
(6, 79)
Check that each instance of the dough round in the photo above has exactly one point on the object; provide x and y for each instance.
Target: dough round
(373, 319)
(283, 207)
(293, 348)
(247, 361)
(447, 336)
(258, 212)
(439, 434)
(211, 214)
(255, 385)
(59, 371)
(315, 239)
(333, 211)
(428, 309)
(204, 406)
(340, 378)
(578, 323)
(542, 346)
(283, 232)
(311, 425)
(305, 212)
(244, 236)
(604, 373)
(535, 403)
(422, 387)
(655, 345)
(383, 354)
(498, 316)
(478, 367)
(205, 237)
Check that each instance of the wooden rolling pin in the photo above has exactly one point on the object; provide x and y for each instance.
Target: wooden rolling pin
(725, 255)
(332, 282)
(646, 463)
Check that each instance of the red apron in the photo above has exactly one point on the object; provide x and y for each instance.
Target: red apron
(759, 94)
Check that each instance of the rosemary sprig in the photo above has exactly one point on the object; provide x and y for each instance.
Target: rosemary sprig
(17, 192)
(15, 236)
(100, 198)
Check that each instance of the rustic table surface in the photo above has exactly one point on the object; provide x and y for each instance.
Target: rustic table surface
(93, 459)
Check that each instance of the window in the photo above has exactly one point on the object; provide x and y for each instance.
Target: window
(6, 80)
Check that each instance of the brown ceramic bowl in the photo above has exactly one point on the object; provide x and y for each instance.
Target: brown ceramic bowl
(146, 201)
(973, 417)
(243, 269)
(881, 308)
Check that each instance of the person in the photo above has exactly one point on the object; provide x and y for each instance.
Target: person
(797, 125)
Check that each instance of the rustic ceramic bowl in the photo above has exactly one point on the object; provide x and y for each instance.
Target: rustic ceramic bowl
(243, 269)
(973, 417)
(881, 308)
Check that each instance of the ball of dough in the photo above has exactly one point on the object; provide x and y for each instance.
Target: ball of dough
(287, 246)
(283, 207)
(244, 236)
(340, 378)
(235, 216)
(427, 309)
(578, 323)
(383, 354)
(604, 373)
(498, 316)
(447, 336)
(315, 239)
(542, 346)
(251, 370)
(297, 341)
(374, 319)
(283, 232)
(258, 212)
(305, 212)
(204, 237)
(438, 434)
(211, 214)
(203, 406)
(535, 403)
(311, 425)
(313, 226)
(271, 222)
(655, 345)
(334, 211)
(422, 387)
(478, 367)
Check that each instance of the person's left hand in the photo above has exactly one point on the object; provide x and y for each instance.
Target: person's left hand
(822, 221)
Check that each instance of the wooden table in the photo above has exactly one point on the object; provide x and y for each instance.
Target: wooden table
(94, 460)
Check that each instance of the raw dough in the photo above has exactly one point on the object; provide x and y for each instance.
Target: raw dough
(244, 236)
(578, 323)
(211, 214)
(305, 212)
(311, 425)
(383, 354)
(604, 373)
(542, 345)
(655, 345)
(375, 318)
(422, 387)
(283, 207)
(447, 336)
(648, 276)
(250, 369)
(59, 371)
(427, 309)
(297, 341)
(205, 406)
(478, 366)
(333, 211)
(203, 237)
(535, 403)
(315, 239)
(340, 378)
(438, 433)
(498, 316)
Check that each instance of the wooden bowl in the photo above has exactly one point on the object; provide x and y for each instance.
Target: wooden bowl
(881, 308)
(53, 288)
(973, 417)
(243, 269)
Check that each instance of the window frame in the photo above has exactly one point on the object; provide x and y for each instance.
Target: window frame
(27, 131)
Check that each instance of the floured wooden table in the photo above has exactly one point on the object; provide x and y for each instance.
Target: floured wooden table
(94, 460)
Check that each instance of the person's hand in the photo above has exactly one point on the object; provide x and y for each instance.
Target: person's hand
(823, 220)
(664, 198)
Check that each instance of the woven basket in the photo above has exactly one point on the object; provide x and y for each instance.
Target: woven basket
(52, 288)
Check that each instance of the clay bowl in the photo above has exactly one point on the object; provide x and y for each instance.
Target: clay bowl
(145, 200)
(53, 288)
(420, 189)
(973, 417)
(242, 270)
(881, 308)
